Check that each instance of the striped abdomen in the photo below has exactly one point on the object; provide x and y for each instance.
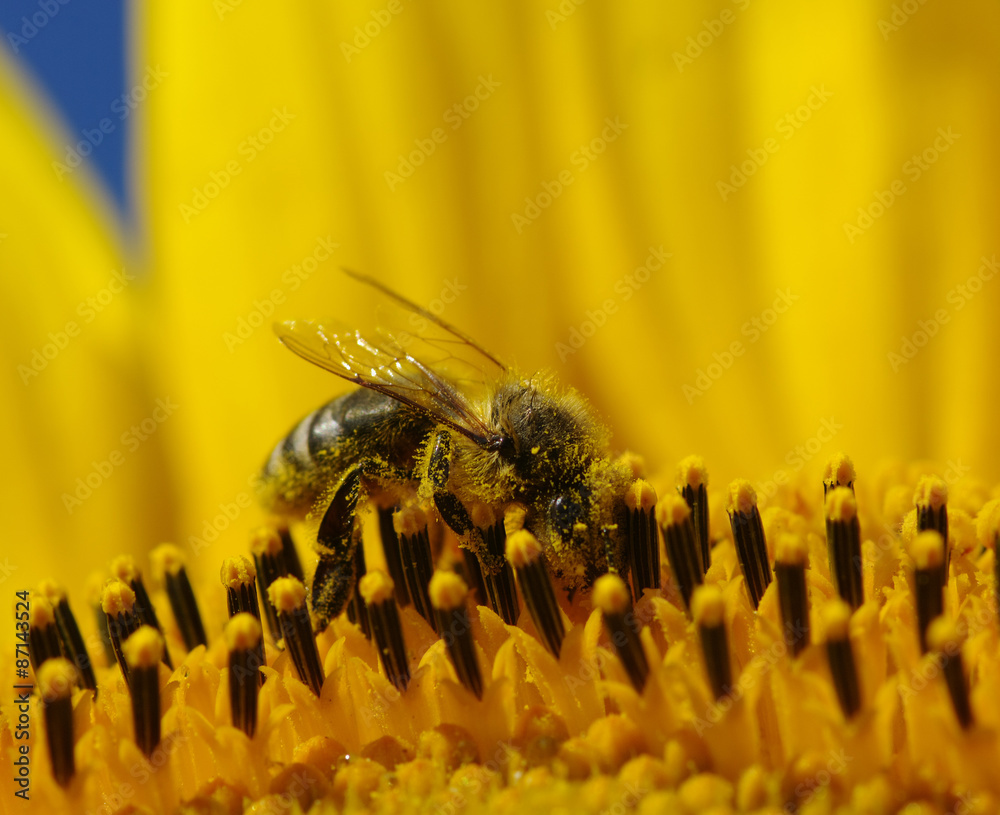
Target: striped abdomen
(330, 440)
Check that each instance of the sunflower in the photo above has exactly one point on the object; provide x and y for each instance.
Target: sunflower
(764, 234)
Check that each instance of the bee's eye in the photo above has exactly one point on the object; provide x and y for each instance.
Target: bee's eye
(564, 513)
(507, 448)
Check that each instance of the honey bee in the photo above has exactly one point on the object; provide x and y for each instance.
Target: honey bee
(438, 419)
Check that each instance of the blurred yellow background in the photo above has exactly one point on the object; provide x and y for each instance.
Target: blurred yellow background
(752, 231)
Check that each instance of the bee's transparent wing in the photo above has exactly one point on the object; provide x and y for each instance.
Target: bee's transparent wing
(429, 373)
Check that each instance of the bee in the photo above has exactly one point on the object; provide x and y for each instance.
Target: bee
(438, 419)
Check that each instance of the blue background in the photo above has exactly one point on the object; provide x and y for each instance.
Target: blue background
(78, 58)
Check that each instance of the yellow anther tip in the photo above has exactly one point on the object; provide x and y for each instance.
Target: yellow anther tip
(123, 567)
(117, 598)
(42, 613)
(56, 678)
(841, 505)
(839, 470)
(792, 550)
(672, 510)
(641, 496)
(708, 608)
(242, 632)
(287, 594)
(409, 521)
(144, 649)
(988, 523)
(943, 635)
(742, 497)
(51, 591)
(931, 492)
(523, 549)
(237, 571)
(927, 550)
(611, 594)
(836, 617)
(691, 472)
(376, 587)
(167, 559)
(447, 591)
(265, 540)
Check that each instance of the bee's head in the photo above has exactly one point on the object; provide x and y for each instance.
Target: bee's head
(548, 437)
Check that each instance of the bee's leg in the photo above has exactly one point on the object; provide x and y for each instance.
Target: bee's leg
(490, 537)
(337, 570)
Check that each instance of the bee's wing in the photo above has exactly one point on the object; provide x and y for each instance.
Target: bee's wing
(426, 373)
(408, 306)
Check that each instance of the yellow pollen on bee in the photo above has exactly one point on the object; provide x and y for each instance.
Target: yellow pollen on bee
(287, 594)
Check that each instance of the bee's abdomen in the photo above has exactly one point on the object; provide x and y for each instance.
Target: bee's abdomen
(323, 445)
